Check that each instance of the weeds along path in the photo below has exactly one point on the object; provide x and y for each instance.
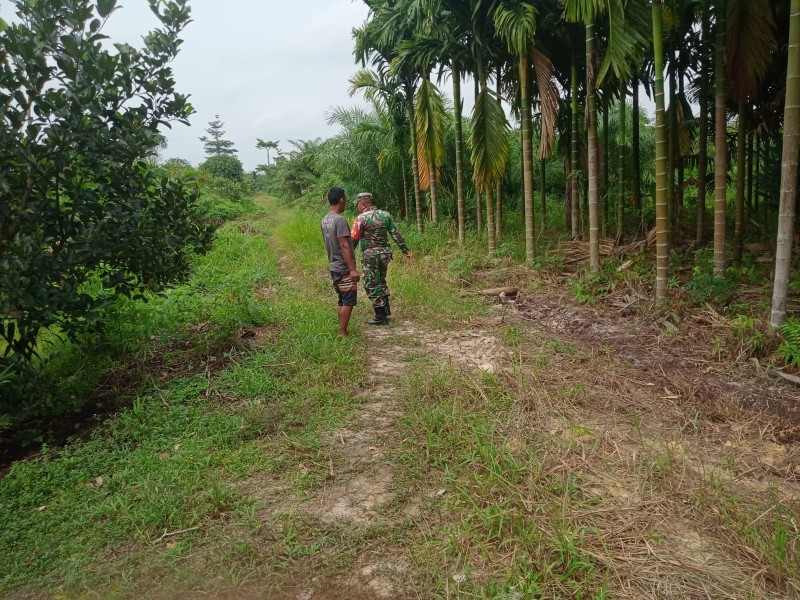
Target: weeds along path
(468, 450)
(492, 455)
(360, 495)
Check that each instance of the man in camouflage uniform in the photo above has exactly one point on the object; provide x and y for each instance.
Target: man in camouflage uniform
(373, 228)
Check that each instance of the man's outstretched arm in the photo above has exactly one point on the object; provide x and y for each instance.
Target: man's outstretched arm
(398, 238)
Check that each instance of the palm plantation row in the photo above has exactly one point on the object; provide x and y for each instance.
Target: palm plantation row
(572, 72)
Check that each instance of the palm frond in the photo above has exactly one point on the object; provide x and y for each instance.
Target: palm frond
(628, 25)
(488, 140)
(515, 22)
(430, 115)
(580, 11)
(347, 117)
(420, 53)
(548, 101)
(751, 38)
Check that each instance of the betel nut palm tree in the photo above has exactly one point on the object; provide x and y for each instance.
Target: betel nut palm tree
(789, 166)
(624, 40)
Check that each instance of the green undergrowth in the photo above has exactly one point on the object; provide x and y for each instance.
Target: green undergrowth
(219, 296)
(515, 511)
(504, 519)
(87, 519)
(421, 287)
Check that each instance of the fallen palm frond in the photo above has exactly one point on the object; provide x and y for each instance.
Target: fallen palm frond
(577, 250)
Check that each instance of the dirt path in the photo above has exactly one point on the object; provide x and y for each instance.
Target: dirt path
(667, 484)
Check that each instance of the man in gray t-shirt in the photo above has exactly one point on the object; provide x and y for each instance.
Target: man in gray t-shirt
(341, 256)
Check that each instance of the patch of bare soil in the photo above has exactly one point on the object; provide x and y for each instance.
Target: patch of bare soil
(673, 356)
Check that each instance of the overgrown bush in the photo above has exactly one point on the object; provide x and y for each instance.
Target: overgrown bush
(704, 287)
(85, 218)
(235, 191)
(217, 209)
(224, 166)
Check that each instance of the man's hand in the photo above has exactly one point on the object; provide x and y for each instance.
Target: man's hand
(408, 255)
(355, 275)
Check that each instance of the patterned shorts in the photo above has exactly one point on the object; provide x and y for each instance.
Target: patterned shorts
(345, 287)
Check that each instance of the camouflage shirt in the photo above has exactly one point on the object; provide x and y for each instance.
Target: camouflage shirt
(372, 229)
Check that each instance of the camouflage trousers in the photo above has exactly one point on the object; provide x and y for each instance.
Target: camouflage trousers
(373, 274)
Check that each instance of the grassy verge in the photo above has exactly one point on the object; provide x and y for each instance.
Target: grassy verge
(544, 494)
(423, 287)
(564, 475)
(90, 518)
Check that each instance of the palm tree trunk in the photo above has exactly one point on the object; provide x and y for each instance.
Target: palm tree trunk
(404, 207)
(527, 159)
(791, 143)
(462, 209)
(679, 158)
(741, 168)
(498, 219)
(672, 139)
(702, 159)
(605, 197)
(434, 193)
(522, 171)
(498, 212)
(478, 209)
(623, 88)
(721, 144)
(575, 204)
(490, 226)
(636, 167)
(490, 216)
(750, 167)
(414, 157)
(757, 174)
(543, 193)
(568, 190)
(662, 219)
(594, 195)
(765, 234)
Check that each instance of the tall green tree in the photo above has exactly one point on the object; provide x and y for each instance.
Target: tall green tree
(749, 47)
(621, 176)
(382, 90)
(706, 62)
(379, 41)
(214, 143)
(266, 145)
(516, 23)
(624, 42)
(574, 201)
(489, 151)
(429, 121)
(720, 139)
(789, 166)
(661, 200)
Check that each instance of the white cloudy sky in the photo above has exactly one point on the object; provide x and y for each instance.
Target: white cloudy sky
(269, 68)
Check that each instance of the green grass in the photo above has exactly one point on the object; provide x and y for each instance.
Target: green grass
(173, 460)
(510, 472)
(420, 287)
(220, 295)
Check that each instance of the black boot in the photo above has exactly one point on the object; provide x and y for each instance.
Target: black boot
(380, 317)
(387, 307)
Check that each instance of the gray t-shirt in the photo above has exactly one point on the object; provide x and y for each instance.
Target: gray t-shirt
(333, 227)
